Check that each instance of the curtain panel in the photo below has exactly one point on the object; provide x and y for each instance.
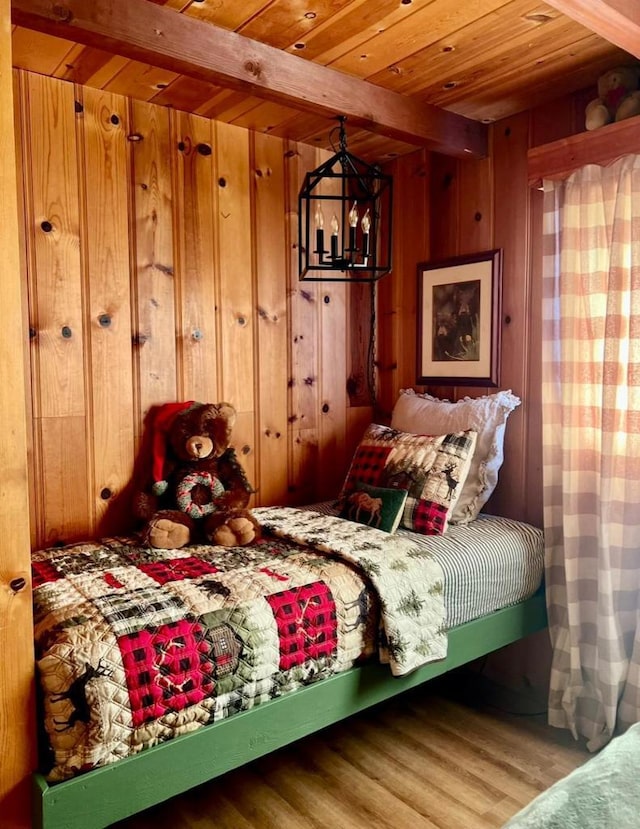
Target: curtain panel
(591, 446)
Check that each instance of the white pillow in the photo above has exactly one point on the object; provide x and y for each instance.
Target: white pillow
(423, 414)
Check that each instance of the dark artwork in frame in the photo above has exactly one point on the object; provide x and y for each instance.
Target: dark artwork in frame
(459, 309)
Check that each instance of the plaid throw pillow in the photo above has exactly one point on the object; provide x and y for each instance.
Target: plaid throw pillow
(431, 468)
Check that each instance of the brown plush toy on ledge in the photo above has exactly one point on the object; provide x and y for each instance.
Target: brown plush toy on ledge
(199, 490)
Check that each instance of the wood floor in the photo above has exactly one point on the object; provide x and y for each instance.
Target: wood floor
(451, 755)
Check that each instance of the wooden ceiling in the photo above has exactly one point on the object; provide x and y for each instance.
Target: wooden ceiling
(478, 60)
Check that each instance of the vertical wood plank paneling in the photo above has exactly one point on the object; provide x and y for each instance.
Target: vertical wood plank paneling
(475, 200)
(360, 304)
(56, 304)
(344, 332)
(152, 237)
(17, 738)
(193, 186)
(233, 222)
(475, 225)
(108, 290)
(243, 441)
(333, 389)
(445, 206)
(303, 339)
(234, 256)
(271, 315)
(444, 222)
(54, 224)
(414, 173)
(510, 143)
(33, 456)
(398, 297)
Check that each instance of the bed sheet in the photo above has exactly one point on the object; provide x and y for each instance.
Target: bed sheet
(489, 563)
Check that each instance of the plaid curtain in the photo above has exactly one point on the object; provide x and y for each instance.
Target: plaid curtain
(591, 446)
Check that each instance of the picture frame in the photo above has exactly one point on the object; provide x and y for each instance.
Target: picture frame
(459, 320)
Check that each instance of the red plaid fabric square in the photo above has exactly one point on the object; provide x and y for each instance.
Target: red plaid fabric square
(429, 518)
(167, 668)
(367, 466)
(43, 572)
(177, 569)
(306, 620)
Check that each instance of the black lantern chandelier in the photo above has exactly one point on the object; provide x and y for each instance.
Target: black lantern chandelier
(344, 214)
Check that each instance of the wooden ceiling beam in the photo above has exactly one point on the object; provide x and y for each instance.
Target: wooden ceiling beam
(617, 21)
(144, 31)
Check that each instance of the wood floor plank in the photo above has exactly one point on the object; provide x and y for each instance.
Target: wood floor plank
(415, 788)
(368, 796)
(306, 790)
(443, 774)
(437, 757)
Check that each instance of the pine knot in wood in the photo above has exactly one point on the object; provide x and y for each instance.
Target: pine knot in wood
(17, 584)
(253, 68)
(61, 13)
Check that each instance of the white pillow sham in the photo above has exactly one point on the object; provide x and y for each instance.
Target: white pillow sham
(424, 414)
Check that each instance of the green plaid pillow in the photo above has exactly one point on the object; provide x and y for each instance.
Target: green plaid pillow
(375, 506)
(431, 468)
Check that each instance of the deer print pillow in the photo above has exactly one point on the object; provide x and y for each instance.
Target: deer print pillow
(375, 506)
(430, 468)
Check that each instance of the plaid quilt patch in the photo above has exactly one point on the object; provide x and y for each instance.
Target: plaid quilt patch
(167, 668)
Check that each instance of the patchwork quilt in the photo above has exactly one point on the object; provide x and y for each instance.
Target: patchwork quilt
(136, 645)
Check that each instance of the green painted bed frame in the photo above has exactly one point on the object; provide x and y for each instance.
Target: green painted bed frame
(101, 797)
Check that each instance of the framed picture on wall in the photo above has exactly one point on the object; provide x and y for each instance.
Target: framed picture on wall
(459, 310)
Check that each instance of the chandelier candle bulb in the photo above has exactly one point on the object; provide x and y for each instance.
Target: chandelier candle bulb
(353, 224)
(319, 232)
(366, 227)
(335, 227)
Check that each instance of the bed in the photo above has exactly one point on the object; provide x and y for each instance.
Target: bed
(161, 669)
(483, 580)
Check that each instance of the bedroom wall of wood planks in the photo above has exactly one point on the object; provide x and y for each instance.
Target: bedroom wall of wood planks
(160, 262)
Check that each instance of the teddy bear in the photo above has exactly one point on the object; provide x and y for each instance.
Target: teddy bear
(199, 491)
(618, 97)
